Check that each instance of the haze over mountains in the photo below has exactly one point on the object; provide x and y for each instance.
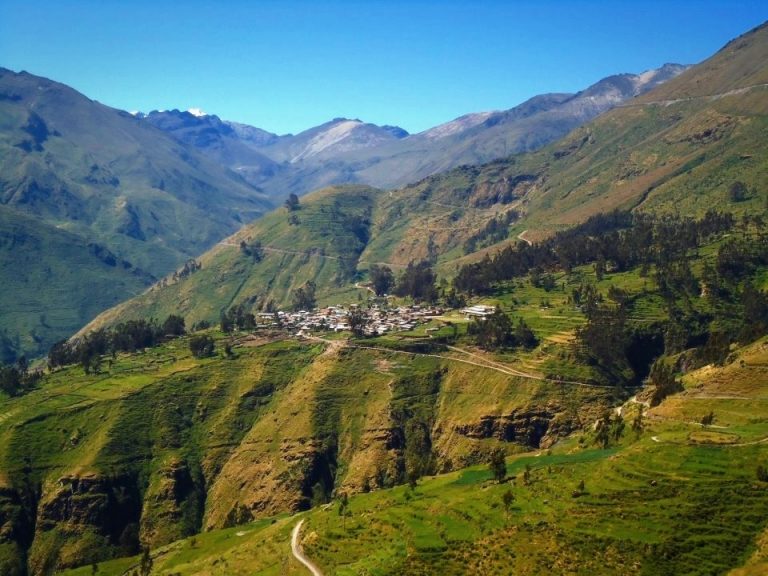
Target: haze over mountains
(352, 151)
(140, 194)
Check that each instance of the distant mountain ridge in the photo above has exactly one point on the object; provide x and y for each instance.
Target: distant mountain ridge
(352, 151)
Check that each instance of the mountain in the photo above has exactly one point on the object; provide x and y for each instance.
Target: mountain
(85, 170)
(159, 445)
(351, 151)
(650, 154)
(230, 144)
(332, 139)
(480, 138)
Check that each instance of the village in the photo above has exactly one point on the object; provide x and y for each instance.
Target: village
(376, 320)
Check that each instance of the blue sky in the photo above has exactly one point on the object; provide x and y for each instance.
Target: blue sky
(289, 65)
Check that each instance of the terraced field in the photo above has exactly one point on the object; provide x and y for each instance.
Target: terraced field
(682, 505)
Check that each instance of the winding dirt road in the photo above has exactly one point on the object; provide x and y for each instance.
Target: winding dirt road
(299, 554)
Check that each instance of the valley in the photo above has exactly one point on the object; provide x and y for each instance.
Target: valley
(531, 341)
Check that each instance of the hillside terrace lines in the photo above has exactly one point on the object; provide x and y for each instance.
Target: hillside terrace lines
(481, 363)
(734, 92)
(309, 253)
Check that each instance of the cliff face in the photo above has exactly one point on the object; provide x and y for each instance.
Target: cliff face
(16, 529)
(165, 446)
(85, 518)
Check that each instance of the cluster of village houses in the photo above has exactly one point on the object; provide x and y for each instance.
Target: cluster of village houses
(378, 320)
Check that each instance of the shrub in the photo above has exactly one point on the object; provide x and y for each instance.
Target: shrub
(201, 346)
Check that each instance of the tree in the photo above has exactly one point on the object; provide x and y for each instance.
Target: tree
(225, 322)
(252, 249)
(737, 192)
(303, 298)
(662, 378)
(145, 568)
(603, 433)
(498, 465)
(382, 279)
(357, 322)
(494, 331)
(508, 498)
(173, 326)
(344, 510)
(418, 282)
(637, 422)
(527, 474)
(292, 202)
(201, 345)
(454, 300)
(716, 350)
(524, 336)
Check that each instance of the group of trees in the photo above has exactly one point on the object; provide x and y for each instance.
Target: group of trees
(125, 337)
(496, 230)
(253, 249)
(292, 202)
(497, 331)
(303, 298)
(237, 317)
(616, 241)
(418, 282)
(201, 345)
(190, 267)
(382, 279)
(17, 378)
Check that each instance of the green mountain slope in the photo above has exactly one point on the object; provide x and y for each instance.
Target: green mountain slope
(52, 280)
(111, 179)
(161, 445)
(322, 245)
(678, 148)
(667, 500)
(653, 155)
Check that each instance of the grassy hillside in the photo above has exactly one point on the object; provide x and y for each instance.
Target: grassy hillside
(320, 242)
(88, 170)
(672, 498)
(659, 154)
(53, 280)
(161, 445)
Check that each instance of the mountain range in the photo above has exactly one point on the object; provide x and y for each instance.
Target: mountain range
(351, 151)
(676, 149)
(133, 196)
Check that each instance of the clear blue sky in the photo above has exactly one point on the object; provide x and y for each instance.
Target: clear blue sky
(288, 65)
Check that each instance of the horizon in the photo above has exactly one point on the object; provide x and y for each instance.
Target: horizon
(287, 67)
